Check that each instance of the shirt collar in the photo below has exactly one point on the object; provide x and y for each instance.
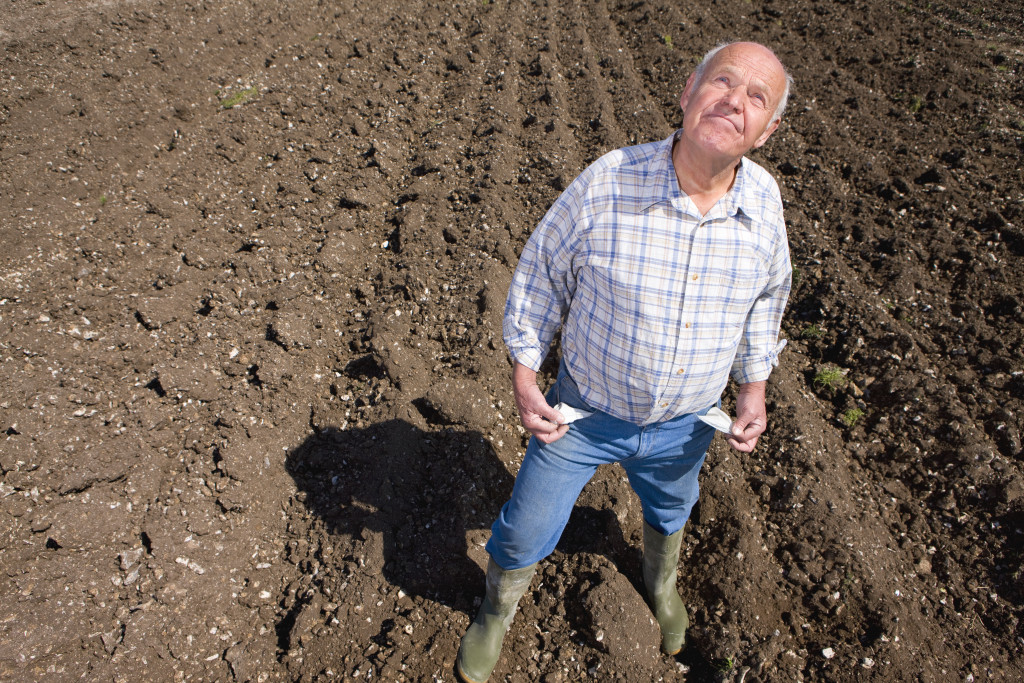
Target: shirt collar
(661, 186)
(664, 187)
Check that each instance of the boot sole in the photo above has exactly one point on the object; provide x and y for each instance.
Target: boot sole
(466, 679)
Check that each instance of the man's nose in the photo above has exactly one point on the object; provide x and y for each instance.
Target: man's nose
(734, 98)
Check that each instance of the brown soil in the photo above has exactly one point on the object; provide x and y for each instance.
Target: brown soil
(255, 406)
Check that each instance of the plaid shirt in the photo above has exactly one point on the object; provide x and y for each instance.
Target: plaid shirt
(657, 303)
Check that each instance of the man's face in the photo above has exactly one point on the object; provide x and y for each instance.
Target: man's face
(729, 111)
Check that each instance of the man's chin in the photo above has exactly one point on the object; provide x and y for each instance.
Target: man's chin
(726, 123)
(717, 144)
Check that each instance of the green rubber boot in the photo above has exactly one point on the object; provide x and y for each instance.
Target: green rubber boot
(661, 556)
(481, 645)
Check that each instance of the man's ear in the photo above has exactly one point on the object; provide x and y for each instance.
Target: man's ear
(687, 91)
(767, 133)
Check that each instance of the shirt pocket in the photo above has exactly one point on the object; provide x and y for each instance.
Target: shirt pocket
(634, 290)
(731, 283)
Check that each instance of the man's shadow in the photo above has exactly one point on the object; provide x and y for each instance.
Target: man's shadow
(427, 498)
(409, 500)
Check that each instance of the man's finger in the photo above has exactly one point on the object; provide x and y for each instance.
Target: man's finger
(551, 437)
(742, 431)
(744, 442)
(545, 430)
(551, 415)
(742, 446)
(535, 424)
(744, 437)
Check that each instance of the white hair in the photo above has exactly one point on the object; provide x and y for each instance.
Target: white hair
(779, 108)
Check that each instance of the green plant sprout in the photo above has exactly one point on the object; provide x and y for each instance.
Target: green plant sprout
(830, 378)
(238, 98)
(851, 416)
(812, 332)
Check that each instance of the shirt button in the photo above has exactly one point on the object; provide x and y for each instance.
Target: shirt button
(680, 371)
(694, 277)
(687, 325)
(664, 405)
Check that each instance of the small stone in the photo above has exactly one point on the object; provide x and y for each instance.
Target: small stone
(828, 653)
(111, 640)
(191, 564)
(130, 557)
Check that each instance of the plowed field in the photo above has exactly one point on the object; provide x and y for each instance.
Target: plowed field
(256, 414)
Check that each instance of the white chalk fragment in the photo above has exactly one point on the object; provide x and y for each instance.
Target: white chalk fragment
(191, 564)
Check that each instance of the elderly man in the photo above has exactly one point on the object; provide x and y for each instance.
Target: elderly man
(667, 267)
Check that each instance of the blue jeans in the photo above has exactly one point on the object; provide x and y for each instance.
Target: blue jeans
(662, 461)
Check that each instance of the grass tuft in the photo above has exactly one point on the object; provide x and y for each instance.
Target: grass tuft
(238, 98)
(851, 416)
(812, 332)
(830, 378)
(724, 665)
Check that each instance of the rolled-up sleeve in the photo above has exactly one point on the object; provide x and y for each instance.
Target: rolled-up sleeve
(543, 284)
(760, 346)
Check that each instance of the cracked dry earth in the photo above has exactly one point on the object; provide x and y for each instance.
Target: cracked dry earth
(256, 413)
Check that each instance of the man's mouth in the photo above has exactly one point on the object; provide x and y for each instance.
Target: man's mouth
(730, 121)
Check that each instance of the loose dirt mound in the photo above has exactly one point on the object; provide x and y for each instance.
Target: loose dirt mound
(255, 406)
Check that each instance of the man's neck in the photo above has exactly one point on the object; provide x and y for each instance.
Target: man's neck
(705, 181)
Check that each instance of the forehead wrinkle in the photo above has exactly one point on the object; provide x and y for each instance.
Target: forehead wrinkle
(759, 81)
(761, 69)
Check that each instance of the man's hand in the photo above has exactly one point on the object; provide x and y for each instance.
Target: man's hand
(537, 416)
(751, 417)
